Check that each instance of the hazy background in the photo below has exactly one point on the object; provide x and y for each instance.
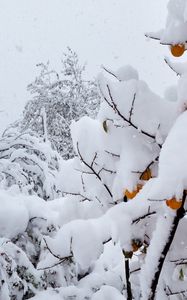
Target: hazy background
(109, 32)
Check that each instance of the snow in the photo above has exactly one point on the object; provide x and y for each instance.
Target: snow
(153, 254)
(107, 293)
(14, 216)
(175, 31)
(47, 295)
(173, 158)
(127, 73)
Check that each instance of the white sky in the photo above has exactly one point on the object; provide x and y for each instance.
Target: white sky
(109, 32)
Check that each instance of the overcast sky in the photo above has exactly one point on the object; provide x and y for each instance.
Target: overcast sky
(109, 32)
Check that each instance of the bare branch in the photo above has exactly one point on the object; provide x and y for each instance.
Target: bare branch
(135, 270)
(132, 107)
(34, 218)
(107, 241)
(50, 267)
(148, 35)
(115, 108)
(94, 172)
(143, 217)
(78, 194)
(107, 170)
(170, 293)
(83, 184)
(113, 154)
(93, 161)
(110, 72)
(55, 255)
(180, 261)
(156, 200)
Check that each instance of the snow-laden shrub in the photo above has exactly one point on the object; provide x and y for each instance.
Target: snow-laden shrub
(28, 165)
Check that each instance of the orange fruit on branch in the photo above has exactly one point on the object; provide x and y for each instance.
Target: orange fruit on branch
(173, 203)
(146, 175)
(177, 50)
(132, 194)
(136, 244)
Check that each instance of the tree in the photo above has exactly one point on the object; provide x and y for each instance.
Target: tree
(64, 97)
(132, 182)
(28, 165)
(120, 231)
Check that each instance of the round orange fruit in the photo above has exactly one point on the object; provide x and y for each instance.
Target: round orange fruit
(136, 244)
(132, 194)
(177, 50)
(173, 203)
(146, 175)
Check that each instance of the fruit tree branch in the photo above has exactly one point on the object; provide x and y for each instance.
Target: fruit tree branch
(179, 215)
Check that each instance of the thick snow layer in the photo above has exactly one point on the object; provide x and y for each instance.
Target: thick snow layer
(153, 254)
(14, 216)
(126, 73)
(175, 31)
(173, 158)
(48, 295)
(107, 293)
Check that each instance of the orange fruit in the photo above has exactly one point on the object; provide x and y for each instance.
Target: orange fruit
(177, 50)
(136, 244)
(173, 203)
(132, 194)
(146, 175)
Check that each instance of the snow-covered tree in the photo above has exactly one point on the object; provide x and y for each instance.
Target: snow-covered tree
(28, 165)
(126, 233)
(64, 97)
(119, 231)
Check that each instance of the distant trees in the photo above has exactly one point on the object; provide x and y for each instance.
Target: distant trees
(59, 98)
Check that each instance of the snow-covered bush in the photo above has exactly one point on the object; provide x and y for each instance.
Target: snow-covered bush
(64, 96)
(28, 165)
(24, 221)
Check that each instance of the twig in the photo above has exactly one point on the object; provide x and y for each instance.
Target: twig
(113, 154)
(135, 270)
(156, 200)
(106, 170)
(176, 293)
(50, 267)
(110, 72)
(113, 105)
(95, 156)
(143, 217)
(83, 184)
(33, 218)
(77, 194)
(61, 259)
(178, 262)
(55, 255)
(94, 172)
(132, 107)
(107, 241)
(147, 35)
